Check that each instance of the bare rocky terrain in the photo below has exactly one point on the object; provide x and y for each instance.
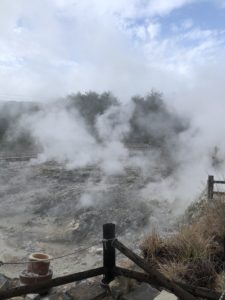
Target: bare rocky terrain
(46, 207)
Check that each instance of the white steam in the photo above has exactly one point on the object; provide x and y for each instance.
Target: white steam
(65, 137)
(174, 166)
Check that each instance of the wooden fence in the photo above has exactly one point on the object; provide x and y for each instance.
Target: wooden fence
(109, 270)
(211, 183)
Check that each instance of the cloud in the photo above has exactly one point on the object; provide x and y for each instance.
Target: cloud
(123, 8)
(51, 48)
(222, 3)
(162, 7)
(187, 24)
(101, 45)
(153, 30)
(182, 26)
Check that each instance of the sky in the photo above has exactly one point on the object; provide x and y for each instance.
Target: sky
(52, 48)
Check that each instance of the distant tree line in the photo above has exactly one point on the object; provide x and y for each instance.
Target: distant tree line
(152, 122)
(12, 136)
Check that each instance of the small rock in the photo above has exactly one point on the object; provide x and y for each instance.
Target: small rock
(121, 286)
(7, 283)
(3, 282)
(99, 251)
(86, 291)
(32, 297)
(165, 296)
(61, 296)
(115, 288)
(143, 292)
(57, 296)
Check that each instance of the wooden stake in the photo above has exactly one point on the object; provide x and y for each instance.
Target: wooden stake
(210, 187)
(109, 253)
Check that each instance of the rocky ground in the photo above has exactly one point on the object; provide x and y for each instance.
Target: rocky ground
(119, 289)
(46, 207)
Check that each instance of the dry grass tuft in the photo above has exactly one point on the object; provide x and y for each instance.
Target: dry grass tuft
(195, 254)
(220, 282)
(174, 270)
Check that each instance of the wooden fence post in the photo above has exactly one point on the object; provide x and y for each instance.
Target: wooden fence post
(109, 253)
(210, 187)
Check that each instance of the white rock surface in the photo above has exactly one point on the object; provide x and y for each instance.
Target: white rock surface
(32, 297)
(166, 296)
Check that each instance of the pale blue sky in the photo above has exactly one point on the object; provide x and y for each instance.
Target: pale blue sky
(53, 47)
(205, 14)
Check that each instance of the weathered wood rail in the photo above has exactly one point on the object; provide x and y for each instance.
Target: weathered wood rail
(109, 270)
(143, 277)
(40, 287)
(211, 183)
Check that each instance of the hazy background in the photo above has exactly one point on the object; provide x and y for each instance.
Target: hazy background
(53, 48)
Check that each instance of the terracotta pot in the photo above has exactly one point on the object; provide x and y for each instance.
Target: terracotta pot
(29, 278)
(39, 263)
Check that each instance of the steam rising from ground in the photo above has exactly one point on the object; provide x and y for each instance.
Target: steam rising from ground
(70, 134)
(97, 130)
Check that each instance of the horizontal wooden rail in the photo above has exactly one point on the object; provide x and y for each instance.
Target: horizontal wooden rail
(143, 277)
(155, 274)
(109, 270)
(219, 193)
(200, 291)
(37, 288)
(211, 183)
(219, 182)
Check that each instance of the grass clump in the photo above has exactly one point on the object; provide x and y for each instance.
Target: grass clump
(195, 254)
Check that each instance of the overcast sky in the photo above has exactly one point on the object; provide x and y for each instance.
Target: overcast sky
(50, 48)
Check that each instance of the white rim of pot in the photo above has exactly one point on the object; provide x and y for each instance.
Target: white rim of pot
(33, 258)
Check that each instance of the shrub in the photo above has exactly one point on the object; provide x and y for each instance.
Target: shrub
(195, 254)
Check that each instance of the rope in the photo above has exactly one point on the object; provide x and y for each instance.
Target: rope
(50, 259)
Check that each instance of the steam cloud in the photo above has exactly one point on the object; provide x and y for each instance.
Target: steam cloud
(98, 130)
